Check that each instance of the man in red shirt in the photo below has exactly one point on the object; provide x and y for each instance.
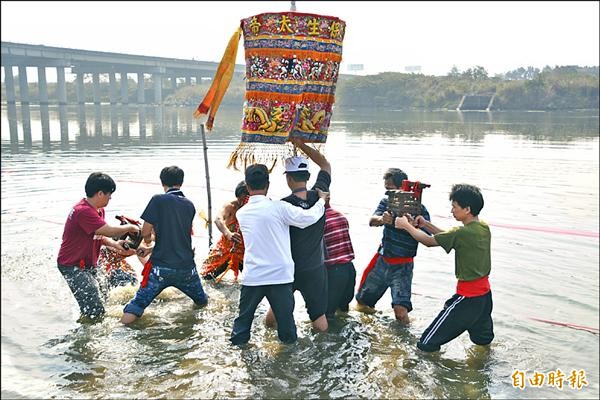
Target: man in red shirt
(84, 233)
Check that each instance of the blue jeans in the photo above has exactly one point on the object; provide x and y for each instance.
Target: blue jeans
(86, 289)
(119, 277)
(398, 277)
(162, 277)
(281, 300)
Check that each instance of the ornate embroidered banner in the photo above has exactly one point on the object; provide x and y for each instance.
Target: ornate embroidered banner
(292, 66)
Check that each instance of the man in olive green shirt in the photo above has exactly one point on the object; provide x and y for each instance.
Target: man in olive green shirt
(470, 309)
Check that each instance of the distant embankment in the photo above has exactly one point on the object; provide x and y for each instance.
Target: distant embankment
(561, 88)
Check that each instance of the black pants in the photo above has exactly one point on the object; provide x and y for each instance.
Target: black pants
(312, 284)
(281, 300)
(341, 279)
(460, 313)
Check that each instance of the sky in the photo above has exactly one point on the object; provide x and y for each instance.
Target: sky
(383, 36)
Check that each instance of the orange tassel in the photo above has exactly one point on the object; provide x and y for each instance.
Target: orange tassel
(211, 102)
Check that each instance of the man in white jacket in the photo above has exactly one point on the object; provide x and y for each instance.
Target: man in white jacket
(268, 265)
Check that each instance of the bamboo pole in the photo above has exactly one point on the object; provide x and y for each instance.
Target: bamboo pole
(205, 151)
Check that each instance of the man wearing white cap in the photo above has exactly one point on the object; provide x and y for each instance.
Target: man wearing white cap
(310, 274)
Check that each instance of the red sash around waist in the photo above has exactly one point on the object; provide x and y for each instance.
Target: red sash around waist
(474, 288)
(389, 260)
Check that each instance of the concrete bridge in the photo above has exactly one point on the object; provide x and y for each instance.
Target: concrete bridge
(158, 70)
(81, 62)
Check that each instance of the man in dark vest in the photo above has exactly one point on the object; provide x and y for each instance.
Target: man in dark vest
(310, 274)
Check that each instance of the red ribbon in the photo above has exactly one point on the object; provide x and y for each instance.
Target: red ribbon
(146, 273)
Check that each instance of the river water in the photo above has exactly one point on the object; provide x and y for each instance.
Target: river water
(539, 176)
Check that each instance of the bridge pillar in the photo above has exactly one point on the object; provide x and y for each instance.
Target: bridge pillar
(124, 88)
(188, 80)
(125, 116)
(42, 84)
(173, 84)
(114, 121)
(81, 108)
(198, 80)
(23, 85)
(157, 78)
(62, 86)
(11, 107)
(82, 121)
(142, 120)
(80, 89)
(64, 124)
(98, 120)
(174, 123)
(62, 102)
(25, 114)
(140, 90)
(157, 129)
(113, 87)
(44, 114)
(96, 87)
(9, 82)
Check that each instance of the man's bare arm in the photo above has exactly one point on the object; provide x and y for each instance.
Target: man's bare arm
(313, 154)
(417, 234)
(147, 230)
(111, 231)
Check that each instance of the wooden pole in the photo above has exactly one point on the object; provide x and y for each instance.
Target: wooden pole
(205, 151)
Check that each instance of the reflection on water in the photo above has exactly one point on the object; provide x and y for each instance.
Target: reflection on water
(539, 176)
(91, 125)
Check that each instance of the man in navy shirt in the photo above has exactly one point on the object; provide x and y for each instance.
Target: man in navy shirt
(170, 217)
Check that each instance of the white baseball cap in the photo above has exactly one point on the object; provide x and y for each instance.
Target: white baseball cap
(295, 164)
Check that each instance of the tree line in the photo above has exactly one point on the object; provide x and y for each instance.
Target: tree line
(557, 88)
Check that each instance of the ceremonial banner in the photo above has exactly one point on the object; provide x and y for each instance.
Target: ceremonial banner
(292, 66)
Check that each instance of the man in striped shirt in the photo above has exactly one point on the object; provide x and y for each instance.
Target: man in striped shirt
(341, 274)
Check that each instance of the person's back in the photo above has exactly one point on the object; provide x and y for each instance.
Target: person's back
(310, 275)
(339, 253)
(171, 214)
(168, 219)
(268, 265)
(307, 243)
(336, 238)
(261, 222)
